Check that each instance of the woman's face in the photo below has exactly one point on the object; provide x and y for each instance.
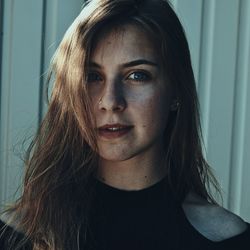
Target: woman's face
(129, 93)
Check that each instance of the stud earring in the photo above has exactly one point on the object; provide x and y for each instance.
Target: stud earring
(175, 105)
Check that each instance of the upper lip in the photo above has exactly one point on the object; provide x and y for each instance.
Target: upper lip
(116, 125)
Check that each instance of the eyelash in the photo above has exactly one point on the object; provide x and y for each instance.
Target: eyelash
(146, 76)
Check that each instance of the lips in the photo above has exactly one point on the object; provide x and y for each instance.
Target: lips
(116, 126)
(111, 131)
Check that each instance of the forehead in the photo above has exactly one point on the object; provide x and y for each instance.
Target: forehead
(124, 43)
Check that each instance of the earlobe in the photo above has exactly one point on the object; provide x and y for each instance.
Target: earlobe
(174, 105)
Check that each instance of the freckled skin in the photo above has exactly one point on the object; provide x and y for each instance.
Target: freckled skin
(131, 161)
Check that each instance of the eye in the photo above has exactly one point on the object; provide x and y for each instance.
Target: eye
(139, 76)
(93, 77)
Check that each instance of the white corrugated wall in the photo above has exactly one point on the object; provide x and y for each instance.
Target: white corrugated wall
(219, 36)
(218, 32)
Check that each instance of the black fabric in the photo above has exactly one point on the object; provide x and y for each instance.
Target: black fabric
(148, 219)
(10, 238)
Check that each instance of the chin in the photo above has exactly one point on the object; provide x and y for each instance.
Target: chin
(116, 156)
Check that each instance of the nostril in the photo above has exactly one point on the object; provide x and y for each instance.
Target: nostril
(117, 108)
(112, 104)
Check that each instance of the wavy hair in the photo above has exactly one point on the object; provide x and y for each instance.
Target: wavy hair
(54, 207)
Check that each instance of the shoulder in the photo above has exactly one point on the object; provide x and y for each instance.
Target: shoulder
(7, 220)
(4, 220)
(212, 221)
(5, 234)
(6, 228)
(10, 238)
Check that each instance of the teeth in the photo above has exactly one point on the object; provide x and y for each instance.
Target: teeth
(114, 129)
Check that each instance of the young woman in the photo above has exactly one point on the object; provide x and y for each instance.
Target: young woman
(117, 162)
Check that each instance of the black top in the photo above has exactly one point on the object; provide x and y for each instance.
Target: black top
(148, 219)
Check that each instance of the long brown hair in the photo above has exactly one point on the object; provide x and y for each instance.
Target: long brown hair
(57, 192)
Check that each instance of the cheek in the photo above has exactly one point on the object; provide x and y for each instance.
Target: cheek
(146, 96)
(93, 94)
(152, 109)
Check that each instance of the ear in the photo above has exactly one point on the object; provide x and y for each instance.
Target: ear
(174, 105)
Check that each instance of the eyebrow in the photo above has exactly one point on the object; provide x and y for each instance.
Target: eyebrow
(139, 62)
(129, 64)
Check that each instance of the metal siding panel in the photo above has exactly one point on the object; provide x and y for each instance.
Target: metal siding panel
(216, 72)
(241, 171)
(222, 89)
(245, 184)
(206, 63)
(1, 41)
(240, 99)
(23, 64)
(20, 82)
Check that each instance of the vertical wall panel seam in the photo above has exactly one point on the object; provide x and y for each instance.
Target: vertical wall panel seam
(200, 61)
(240, 100)
(6, 109)
(42, 63)
(200, 45)
(206, 61)
(5, 102)
(1, 44)
(51, 34)
(1, 84)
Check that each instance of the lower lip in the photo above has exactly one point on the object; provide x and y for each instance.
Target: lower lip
(113, 134)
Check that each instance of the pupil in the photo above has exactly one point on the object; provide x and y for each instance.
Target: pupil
(138, 76)
(93, 77)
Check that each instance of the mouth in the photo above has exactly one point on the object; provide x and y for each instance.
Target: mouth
(112, 131)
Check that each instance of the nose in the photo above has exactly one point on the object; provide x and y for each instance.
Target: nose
(112, 98)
